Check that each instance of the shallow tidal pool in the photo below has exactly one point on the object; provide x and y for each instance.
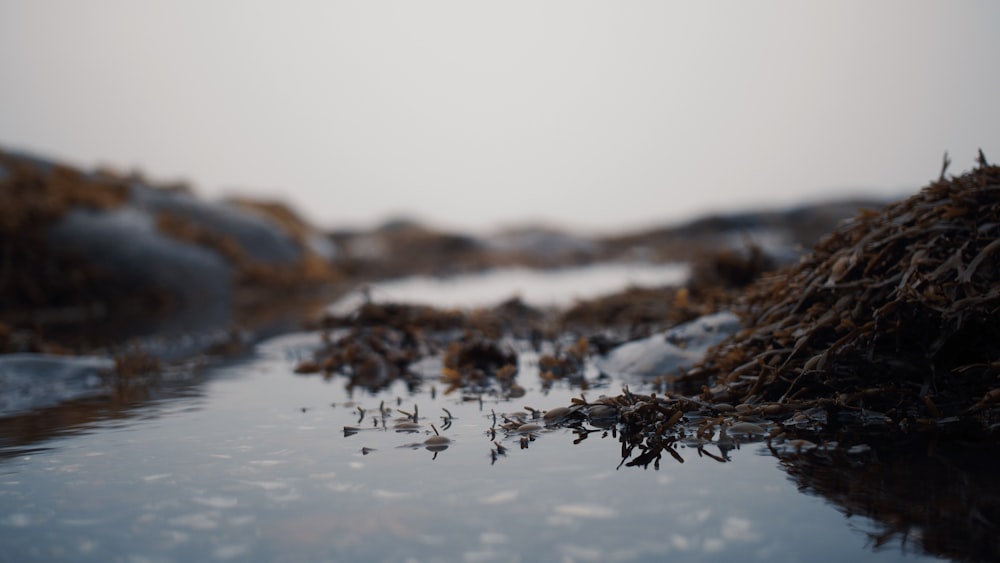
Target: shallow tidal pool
(254, 465)
(245, 460)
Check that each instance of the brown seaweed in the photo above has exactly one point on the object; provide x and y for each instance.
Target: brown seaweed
(894, 312)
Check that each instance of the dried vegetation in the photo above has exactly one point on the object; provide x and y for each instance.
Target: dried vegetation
(894, 312)
(889, 326)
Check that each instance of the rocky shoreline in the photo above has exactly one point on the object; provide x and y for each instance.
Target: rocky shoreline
(888, 318)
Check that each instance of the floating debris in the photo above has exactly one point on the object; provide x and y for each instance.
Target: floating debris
(407, 426)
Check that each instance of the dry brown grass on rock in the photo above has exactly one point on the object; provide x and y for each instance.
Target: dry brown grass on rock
(897, 311)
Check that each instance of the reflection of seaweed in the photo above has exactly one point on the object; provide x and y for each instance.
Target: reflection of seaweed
(649, 426)
(941, 498)
(565, 364)
(473, 363)
(916, 491)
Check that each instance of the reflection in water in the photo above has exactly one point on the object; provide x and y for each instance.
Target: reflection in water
(260, 471)
(123, 393)
(920, 494)
(941, 498)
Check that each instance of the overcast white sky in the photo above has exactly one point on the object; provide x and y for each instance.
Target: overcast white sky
(604, 115)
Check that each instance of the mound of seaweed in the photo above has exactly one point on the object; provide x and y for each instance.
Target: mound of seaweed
(896, 312)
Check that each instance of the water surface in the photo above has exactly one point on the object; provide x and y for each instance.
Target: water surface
(244, 460)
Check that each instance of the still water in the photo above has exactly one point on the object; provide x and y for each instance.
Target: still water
(244, 460)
